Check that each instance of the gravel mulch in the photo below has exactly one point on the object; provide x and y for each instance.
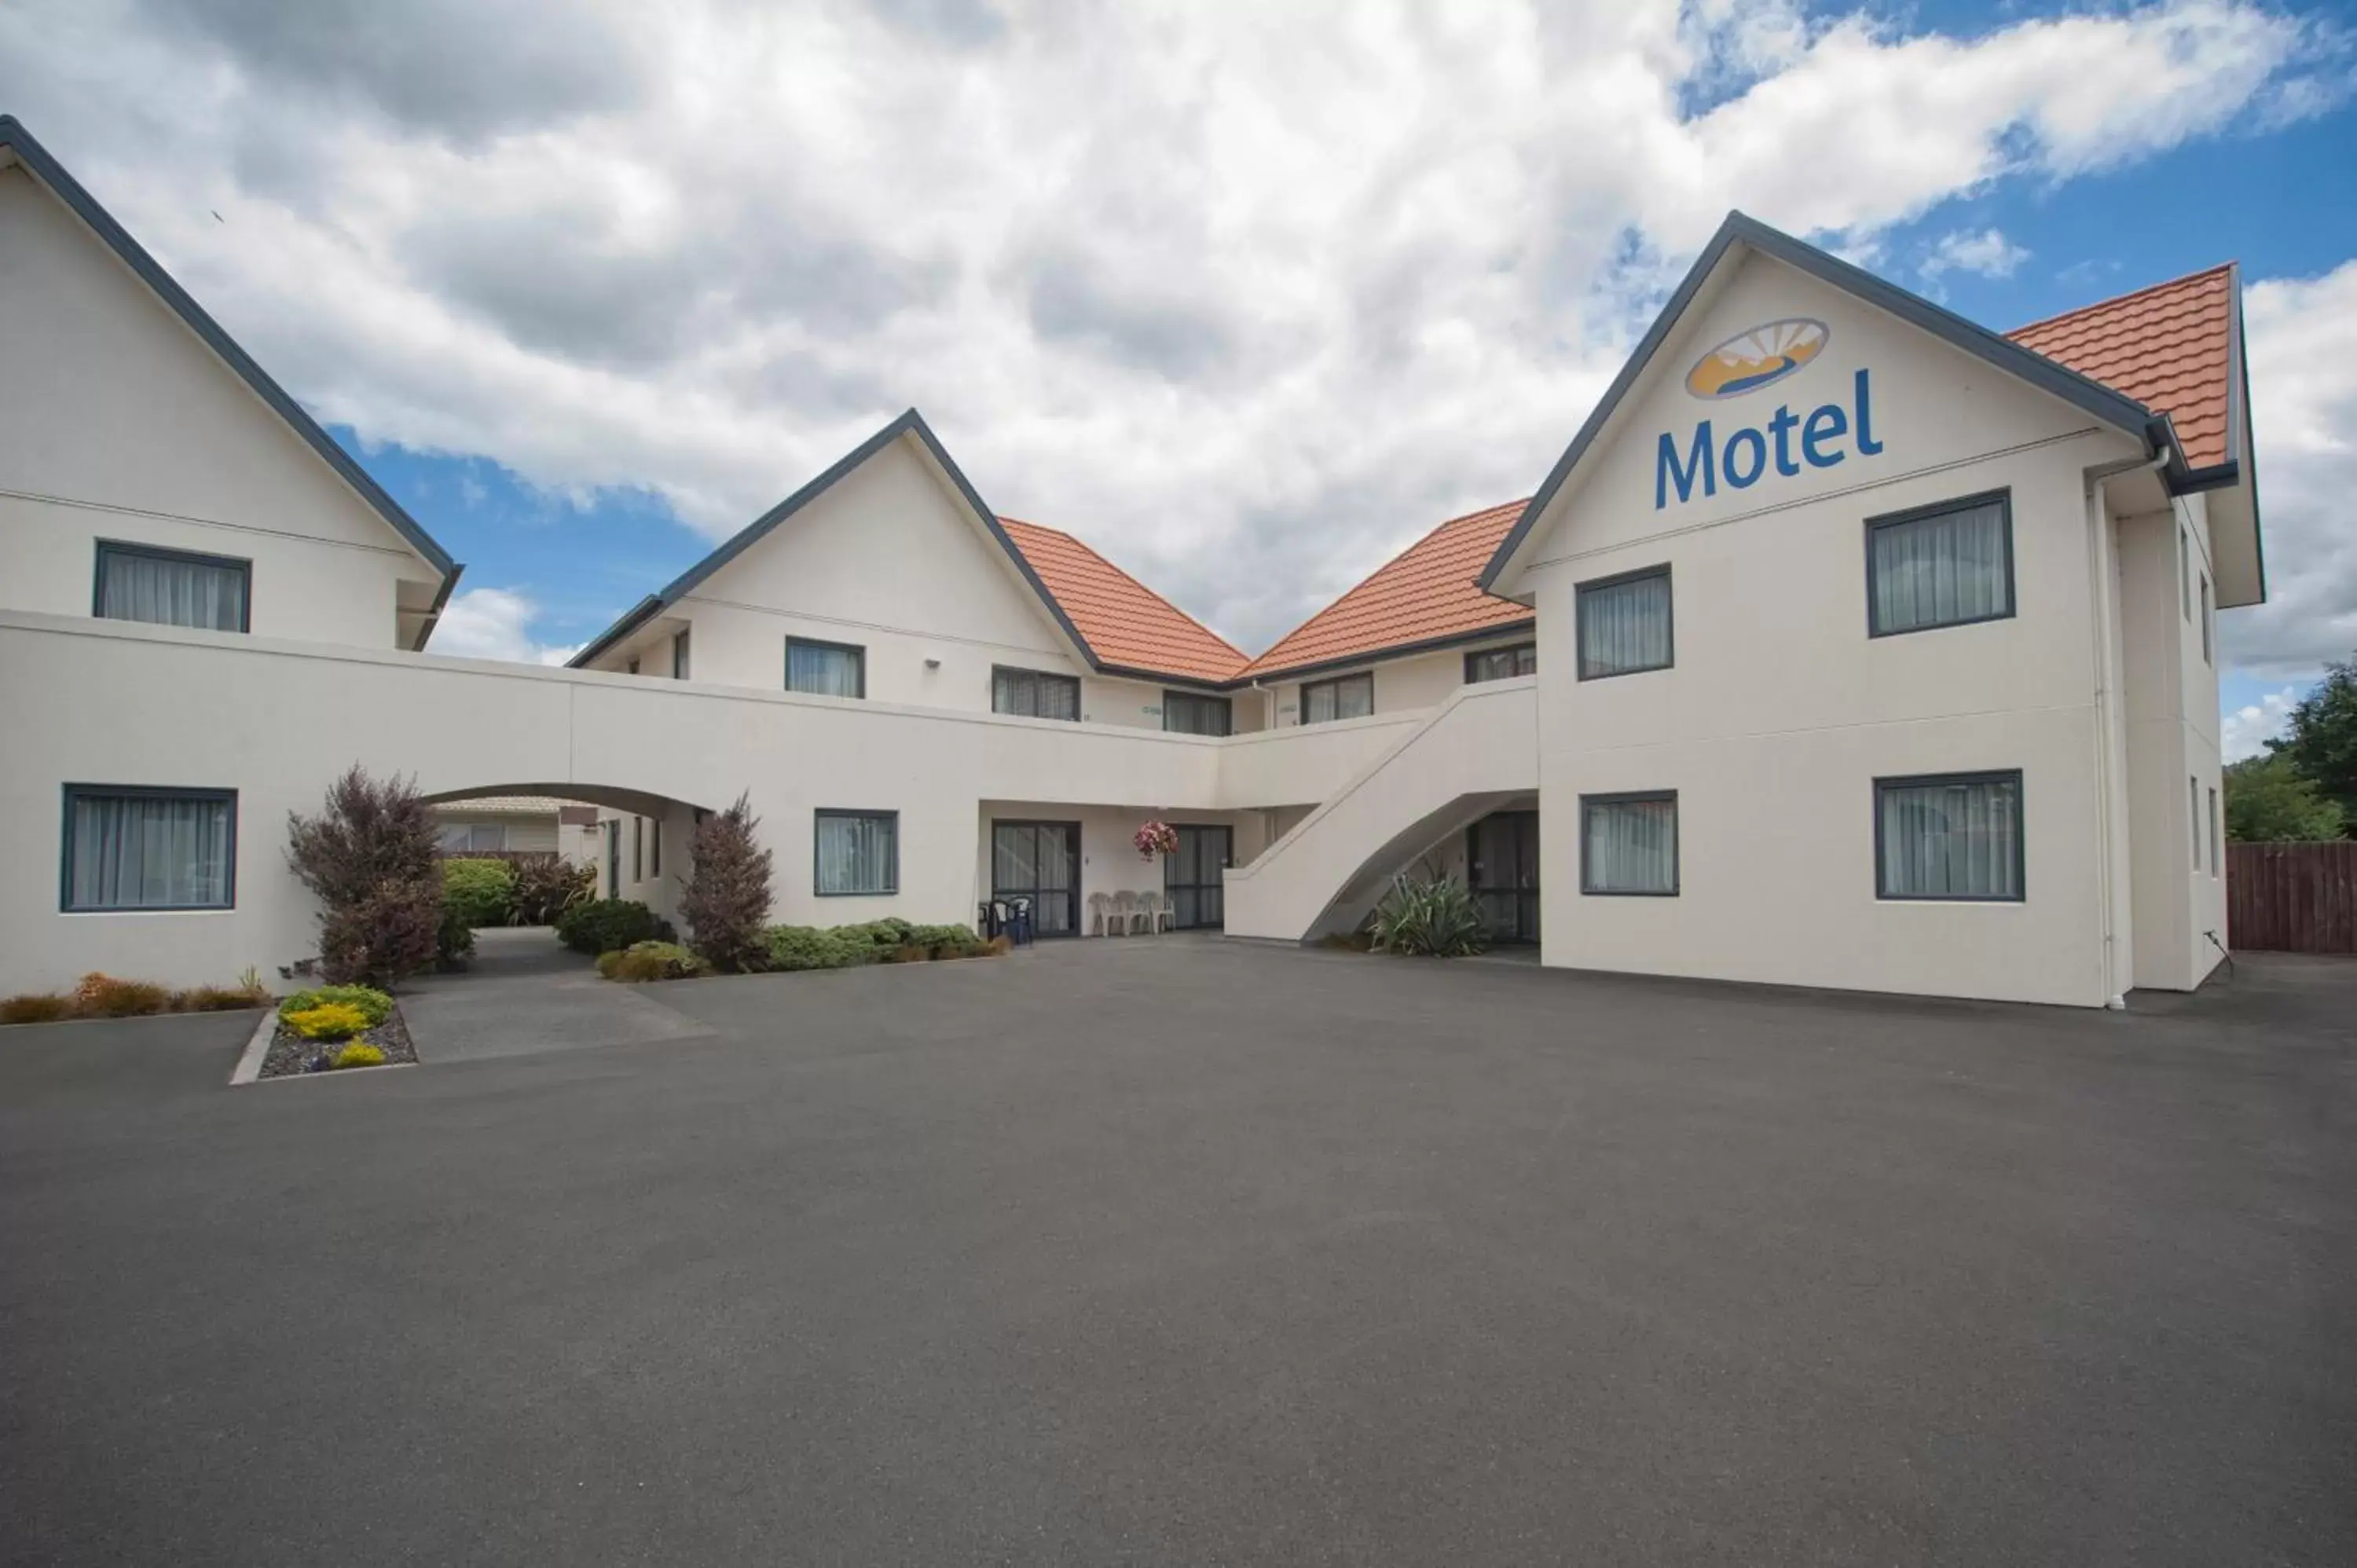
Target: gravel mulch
(290, 1053)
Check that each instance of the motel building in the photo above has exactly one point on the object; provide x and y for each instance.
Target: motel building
(1848, 644)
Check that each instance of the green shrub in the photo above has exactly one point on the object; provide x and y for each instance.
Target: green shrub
(374, 1004)
(909, 954)
(104, 997)
(36, 1008)
(937, 938)
(327, 1021)
(219, 999)
(888, 932)
(1432, 917)
(610, 925)
(652, 960)
(360, 1053)
(545, 887)
(477, 891)
(809, 947)
(369, 857)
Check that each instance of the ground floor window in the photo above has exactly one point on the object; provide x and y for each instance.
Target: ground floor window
(1952, 835)
(1195, 876)
(1345, 697)
(1629, 843)
(473, 838)
(858, 851)
(139, 848)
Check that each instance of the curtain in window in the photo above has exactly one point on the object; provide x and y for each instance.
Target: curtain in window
(1937, 571)
(856, 854)
(1632, 846)
(1184, 712)
(1951, 839)
(1502, 663)
(143, 852)
(1624, 627)
(1034, 694)
(822, 671)
(679, 657)
(170, 591)
(1353, 697)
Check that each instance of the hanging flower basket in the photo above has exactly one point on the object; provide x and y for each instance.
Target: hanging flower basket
(1155, 838)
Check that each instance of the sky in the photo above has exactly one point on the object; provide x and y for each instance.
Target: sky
(1248, 296)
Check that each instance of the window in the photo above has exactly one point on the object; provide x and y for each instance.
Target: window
(473, 838)
(129, 847)
(632, 667)
(1034, 693)
(1346, 697)
(2214, 832)
(2184, 574)
(826, 668)
(1950, 565)
(637, 849)
(2193, 817)
(1190, 712)
(1502, 664)
(172, 588)
(1953, 835)
(679, 657)
(654, 847)
(1624, 624)
(1629, 844)
(2206, 618)
(857, 851)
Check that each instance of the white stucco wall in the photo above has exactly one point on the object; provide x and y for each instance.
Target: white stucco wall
(121, 424)
(1408, 684)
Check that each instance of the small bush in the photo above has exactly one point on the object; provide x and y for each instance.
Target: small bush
(454, 939)
(652, 960)
(728, 894)
(36, 1008)
(808, 947)
(477, 891)
(219, 999)
(360, 1053)
(374, 1004)
(999, 946)
(888, 932)
(937, 938)
(911, 955)
(546, 887)
(104, 997)
(610, 925)
(328, 1020)
(369, 858)
(1430, 916)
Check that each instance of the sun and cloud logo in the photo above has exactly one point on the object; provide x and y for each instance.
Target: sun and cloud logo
(1760, 357)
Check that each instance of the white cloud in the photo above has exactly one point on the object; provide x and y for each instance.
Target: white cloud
(2246, 731)
(1248, 295)
(1987, 254)
(492, 623)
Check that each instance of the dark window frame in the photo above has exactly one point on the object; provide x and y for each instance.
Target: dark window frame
(1226, 703)
(637, 850)
(2020, 894)
(2002, 498)
(998, 669)
(1587, 889)
(681, 652)
(1338, 681)
(244, 565)
(2209, 613)
(1528, 644)
(1580, 593)
(794, 642)
(820, 814)
(72, 793)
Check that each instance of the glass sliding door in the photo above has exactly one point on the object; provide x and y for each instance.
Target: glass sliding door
(1192, 876)
(1502, 861)
(1041, 861)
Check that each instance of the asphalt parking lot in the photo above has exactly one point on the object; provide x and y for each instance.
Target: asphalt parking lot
(1191, 1252)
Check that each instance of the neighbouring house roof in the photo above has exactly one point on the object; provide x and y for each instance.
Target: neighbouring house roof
(1127, 625)
(506, 805)
(16, 140)
(1423, 596)
(2169, 347)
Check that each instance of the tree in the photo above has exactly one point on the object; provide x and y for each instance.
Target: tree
(2269, 801)
(726, 902)
(369, 856)
(2322, 741)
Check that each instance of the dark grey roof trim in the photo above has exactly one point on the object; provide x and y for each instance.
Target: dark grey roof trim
(1165, 677)
(2105, 404)
(910, 423)
(35, 158)
(434, 611)
(1392, 651)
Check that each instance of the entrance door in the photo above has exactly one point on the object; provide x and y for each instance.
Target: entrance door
(1502, 855)
(1191, 876)
(1041, 861)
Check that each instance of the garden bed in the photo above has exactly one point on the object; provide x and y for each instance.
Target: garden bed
(293, 1053)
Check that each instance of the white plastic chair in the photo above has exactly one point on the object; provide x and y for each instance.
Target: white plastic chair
(1154, 908)
(1097, 918)
(1124, 913)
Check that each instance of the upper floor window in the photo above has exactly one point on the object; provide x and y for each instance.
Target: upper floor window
(2206, 611)
(1502, 664)
(1955, 836)
(131, 847)
(1193, 713)
(679, 657)
(826, 668)
(1949, 564)
(2184, 574)
(172, 588)
(1034, 693)
(1624, 624)
(1344, 697)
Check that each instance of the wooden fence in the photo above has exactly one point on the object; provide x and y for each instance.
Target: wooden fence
(2292, 897)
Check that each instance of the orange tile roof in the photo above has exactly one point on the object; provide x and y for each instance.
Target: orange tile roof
(1425, 592)
(2169, 347)
(1127, 623)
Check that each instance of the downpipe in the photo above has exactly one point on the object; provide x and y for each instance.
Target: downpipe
(2104, 584)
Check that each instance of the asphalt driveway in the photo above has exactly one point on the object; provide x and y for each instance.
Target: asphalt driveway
(1167, 1251)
